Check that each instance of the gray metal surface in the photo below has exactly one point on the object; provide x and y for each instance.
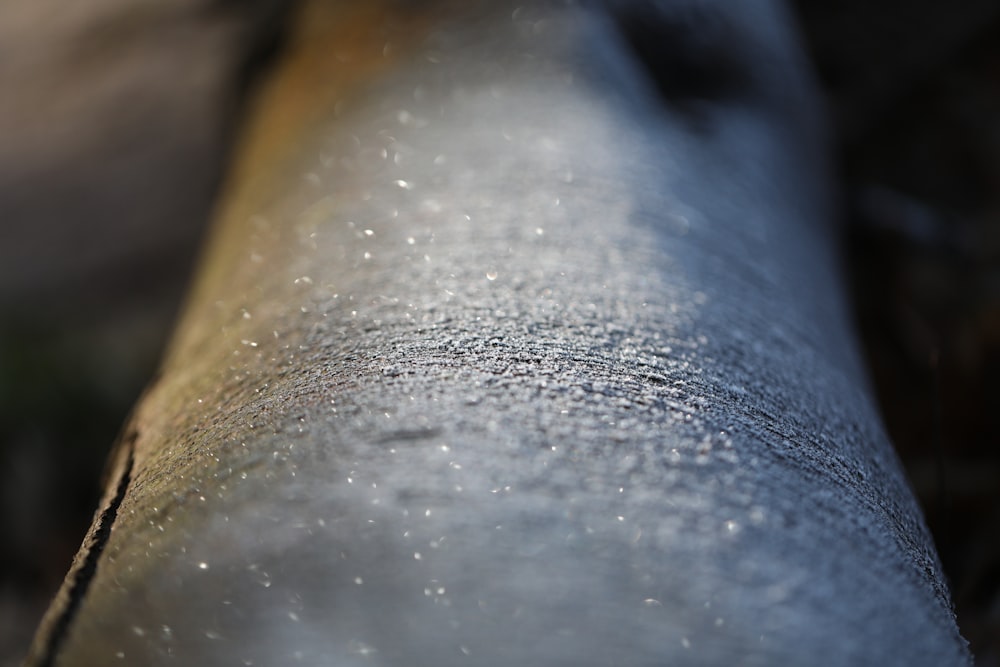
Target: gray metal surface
(520, 361)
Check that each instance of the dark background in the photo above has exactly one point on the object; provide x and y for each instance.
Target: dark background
(115, 123)
(915, 93)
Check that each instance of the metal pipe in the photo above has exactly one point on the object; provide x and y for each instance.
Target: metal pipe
(520, 339)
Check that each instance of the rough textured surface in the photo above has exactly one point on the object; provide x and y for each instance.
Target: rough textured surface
(517, 360)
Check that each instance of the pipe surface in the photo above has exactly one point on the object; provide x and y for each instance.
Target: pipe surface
(521, 339)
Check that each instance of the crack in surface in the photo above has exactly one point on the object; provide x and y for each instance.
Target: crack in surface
(87, 571)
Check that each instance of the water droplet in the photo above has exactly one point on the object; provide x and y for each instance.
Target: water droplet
(491, 275)
(360, 648)
(260, 576)
(203, 566)
(677, 224)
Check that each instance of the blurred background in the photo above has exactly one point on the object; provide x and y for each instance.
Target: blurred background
(116, 119)
(914, 89)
